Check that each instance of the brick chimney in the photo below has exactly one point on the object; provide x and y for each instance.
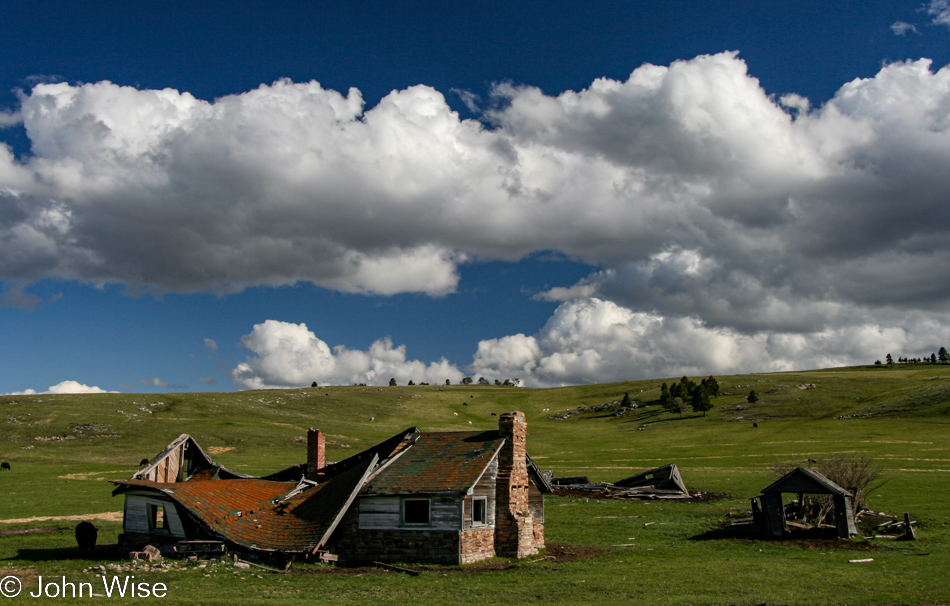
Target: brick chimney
(515, 534)
(316, 453)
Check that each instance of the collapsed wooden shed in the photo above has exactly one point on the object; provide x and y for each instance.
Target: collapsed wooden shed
(660, 483)
(662, 480)
(768, 511)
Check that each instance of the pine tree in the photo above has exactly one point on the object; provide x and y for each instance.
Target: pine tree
(699, 401)
(666, 399)
(712, 386)
(677, 405)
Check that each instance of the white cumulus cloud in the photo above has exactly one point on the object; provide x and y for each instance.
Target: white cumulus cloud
(63, 387)
(592, 340)
(290, 355)
(708, 205)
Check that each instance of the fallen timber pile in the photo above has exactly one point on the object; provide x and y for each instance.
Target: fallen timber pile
(662, 483)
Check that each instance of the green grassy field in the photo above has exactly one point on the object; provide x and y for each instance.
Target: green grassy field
(63, 448)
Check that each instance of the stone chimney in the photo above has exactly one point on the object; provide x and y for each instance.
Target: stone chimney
(515, 533)
(316, 453)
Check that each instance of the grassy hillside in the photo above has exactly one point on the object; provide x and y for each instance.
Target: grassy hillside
(59, 446)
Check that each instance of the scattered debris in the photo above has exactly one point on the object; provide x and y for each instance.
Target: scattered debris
(53, 438)
(615, 405)
(149, 554)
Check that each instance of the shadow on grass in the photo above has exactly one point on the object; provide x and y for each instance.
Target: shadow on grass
(53, 554)
(646, 418)
(811, 538)
(725, 533)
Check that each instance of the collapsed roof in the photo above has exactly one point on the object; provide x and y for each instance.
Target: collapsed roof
(287, 512)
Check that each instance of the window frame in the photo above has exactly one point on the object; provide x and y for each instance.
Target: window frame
(484, 518)
(428, 509)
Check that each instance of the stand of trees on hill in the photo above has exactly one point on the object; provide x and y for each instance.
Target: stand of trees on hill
(698, 396)
(942, 356)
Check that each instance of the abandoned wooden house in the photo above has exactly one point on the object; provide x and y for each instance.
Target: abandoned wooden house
(441, 497)
(768, 511)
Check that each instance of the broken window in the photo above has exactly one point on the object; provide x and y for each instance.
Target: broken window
(415, 512)
(480, 510)
(156, 517)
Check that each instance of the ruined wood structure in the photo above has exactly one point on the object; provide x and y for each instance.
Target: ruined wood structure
(441, 497)
(664, 480)
(661, 483)
(769, 512)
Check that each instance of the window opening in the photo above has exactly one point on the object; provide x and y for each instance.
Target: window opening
(416, 511)
(156, 517)
(480, 511)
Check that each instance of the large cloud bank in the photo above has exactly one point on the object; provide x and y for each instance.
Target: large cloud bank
(589, 340)
(711, 207)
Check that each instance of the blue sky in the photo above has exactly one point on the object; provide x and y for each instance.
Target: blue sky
(218, 196)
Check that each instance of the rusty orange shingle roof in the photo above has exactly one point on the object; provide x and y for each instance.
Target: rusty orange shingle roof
(257, 513)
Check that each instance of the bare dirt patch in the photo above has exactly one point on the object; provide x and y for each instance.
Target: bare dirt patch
(565, 552)
(27, 576)
(109, 516)
(90, 475)
(218, 449)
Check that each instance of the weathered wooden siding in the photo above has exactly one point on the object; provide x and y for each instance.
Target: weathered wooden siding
(445, 513)
(484, 488)
(169, 468)
(379, 512)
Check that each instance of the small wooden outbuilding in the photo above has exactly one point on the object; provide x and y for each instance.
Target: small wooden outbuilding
(771, 518)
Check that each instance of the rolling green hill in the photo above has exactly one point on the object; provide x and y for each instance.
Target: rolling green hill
(61, 448)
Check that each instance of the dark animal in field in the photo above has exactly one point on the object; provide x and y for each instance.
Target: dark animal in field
(6, 466)
(86, 535)
(143, 462)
